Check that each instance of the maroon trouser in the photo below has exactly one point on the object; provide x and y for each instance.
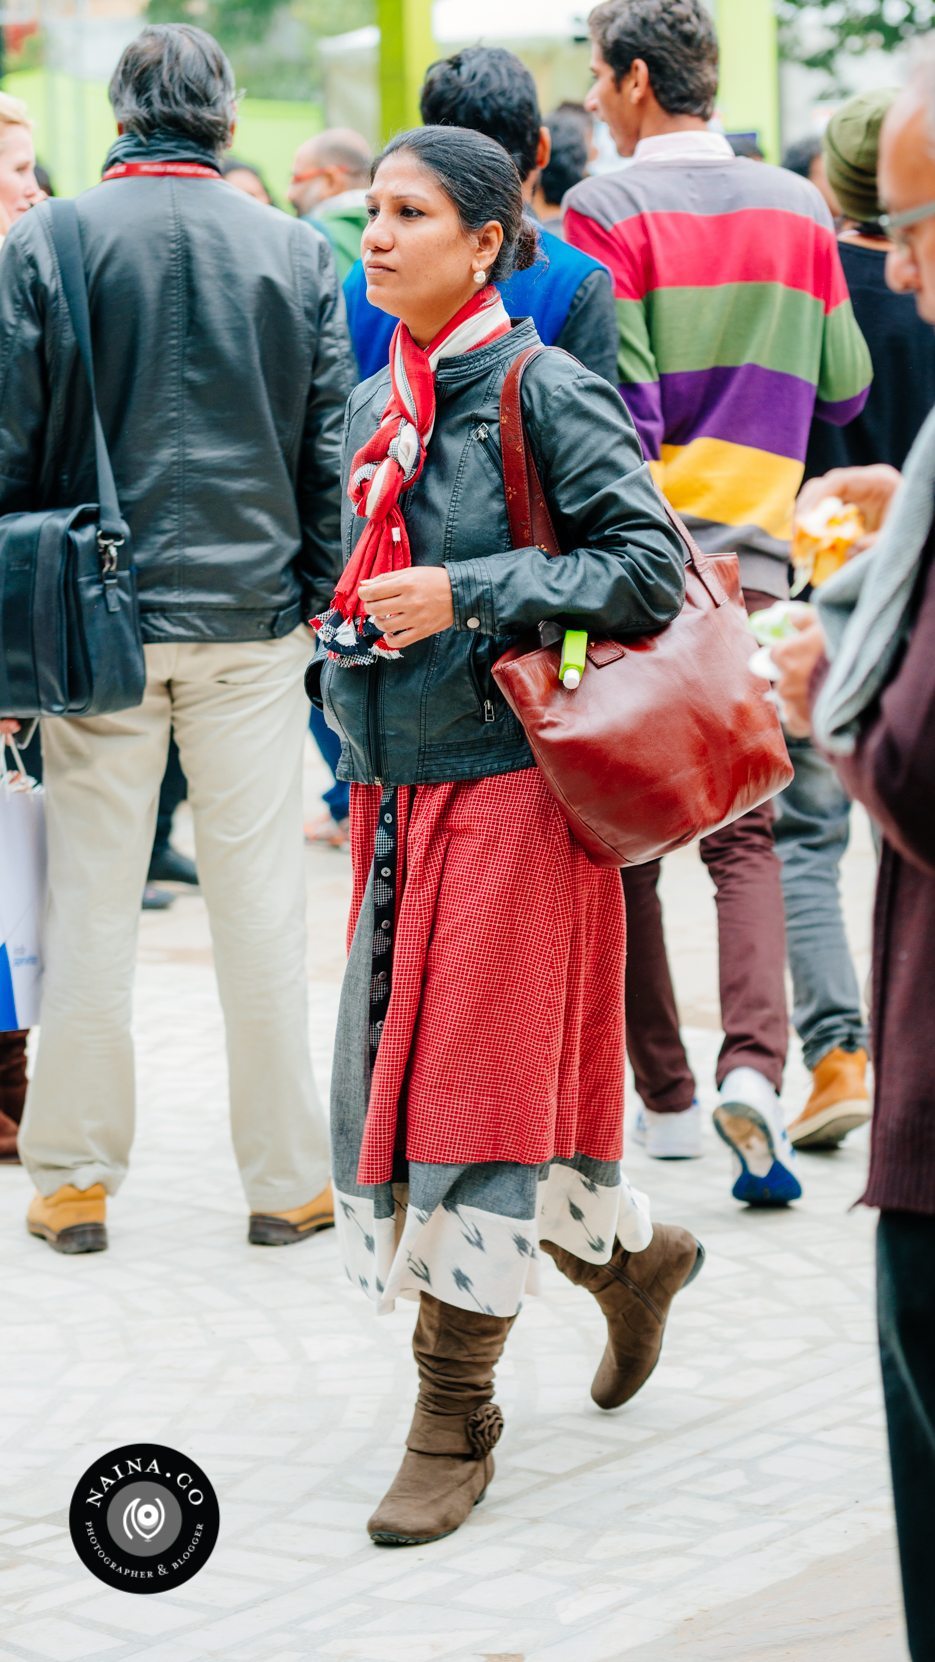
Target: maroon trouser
(744, 867)
(12, 1090)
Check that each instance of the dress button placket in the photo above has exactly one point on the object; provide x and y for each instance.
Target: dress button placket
(384, 917)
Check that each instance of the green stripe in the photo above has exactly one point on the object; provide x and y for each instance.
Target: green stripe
(845, 361)
(728, 324)
(635, 362)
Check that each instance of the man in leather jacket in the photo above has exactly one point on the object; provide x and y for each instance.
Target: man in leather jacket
(222, 365)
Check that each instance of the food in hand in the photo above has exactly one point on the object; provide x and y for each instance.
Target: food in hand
(823, 540)
(774, 623)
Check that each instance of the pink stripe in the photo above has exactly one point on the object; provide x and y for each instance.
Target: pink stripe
(685, 250)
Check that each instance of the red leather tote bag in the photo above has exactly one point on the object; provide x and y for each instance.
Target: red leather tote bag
(668, 736)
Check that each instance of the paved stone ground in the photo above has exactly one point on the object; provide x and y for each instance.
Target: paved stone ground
(738, 1508)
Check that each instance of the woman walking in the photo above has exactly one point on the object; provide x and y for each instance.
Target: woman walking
(478, 1079)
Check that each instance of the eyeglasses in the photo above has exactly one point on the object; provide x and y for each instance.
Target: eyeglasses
(896, 225)
(301, 178)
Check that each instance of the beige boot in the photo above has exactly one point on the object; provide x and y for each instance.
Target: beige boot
(448, 1462)
(71, 1220)
(839, 1101)
(634, 1291)
(284, 1228)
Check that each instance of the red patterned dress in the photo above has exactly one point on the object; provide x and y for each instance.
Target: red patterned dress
(477, 1101)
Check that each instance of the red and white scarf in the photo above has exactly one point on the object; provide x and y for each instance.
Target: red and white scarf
(389, 463)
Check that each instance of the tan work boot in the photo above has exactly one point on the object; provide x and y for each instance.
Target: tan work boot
(71, 1220)
(634, 1291)
(282, 1228)
(840, 1101)
(448, 1461)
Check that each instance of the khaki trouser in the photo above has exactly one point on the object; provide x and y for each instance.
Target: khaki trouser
(239, 714)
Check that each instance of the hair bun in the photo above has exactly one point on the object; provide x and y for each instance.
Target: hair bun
(526, 250)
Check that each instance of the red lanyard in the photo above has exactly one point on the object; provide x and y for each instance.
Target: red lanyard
(154, 170)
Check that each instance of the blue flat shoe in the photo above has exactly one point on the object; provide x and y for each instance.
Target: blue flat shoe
(765, 1162)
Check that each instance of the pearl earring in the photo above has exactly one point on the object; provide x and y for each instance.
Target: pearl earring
(480, 276)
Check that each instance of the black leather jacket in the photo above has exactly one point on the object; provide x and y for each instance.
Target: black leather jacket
(222, 365)
(436, 714)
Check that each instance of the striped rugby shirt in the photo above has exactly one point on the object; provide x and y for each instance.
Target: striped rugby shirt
(735, 329)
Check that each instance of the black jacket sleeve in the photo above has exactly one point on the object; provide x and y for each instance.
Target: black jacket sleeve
(24, 399)
(622, 570)
(331, 377)
(589, 332)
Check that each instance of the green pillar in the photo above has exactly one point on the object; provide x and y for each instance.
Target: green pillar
(406, 50)
(748, 98)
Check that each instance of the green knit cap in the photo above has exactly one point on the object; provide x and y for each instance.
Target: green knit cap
(851, 145)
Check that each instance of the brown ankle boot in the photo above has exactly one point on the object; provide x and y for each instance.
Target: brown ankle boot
(12, 1092)
(447, 1465)
(634, 1290)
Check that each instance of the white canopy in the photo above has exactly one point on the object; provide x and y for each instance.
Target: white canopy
(456, 21)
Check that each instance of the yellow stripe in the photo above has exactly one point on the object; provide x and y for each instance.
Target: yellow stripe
(732, 484)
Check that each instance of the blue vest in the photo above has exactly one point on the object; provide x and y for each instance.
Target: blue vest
(543, 292)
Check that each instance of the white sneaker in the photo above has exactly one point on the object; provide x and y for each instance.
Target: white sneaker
(669, 1136)
(749, 1119)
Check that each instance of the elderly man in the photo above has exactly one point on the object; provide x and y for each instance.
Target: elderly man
(221, 382)
(873, 711)
(330, 175)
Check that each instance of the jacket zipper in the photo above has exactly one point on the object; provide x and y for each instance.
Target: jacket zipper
(481, 435)
(487, 711)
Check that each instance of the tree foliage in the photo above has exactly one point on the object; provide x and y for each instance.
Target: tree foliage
(823, 33)
(273, 44)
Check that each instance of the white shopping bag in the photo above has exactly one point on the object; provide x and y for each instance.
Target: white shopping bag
(22, 894)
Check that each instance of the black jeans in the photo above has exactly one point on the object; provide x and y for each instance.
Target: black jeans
(174, 789)
(906, 1319)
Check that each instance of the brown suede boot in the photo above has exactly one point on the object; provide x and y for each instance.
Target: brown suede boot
(447, 1465)
(634, 1290)
(12, 1093)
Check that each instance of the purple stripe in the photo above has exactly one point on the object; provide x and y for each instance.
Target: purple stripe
(645, 409)
(745, 404)
(842, 410)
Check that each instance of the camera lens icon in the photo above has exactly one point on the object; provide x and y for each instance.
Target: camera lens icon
(143, 1519)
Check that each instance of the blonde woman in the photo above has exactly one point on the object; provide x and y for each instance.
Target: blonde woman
(19, 188)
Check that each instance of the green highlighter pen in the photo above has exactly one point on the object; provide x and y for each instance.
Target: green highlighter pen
(574, 658)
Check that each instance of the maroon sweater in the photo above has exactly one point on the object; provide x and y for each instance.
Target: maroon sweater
(892, 773)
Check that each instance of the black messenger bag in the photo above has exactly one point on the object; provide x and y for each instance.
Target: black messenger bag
(70, 642)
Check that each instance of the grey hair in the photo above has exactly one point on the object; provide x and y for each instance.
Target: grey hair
(922, 82)
(336, 148)
(174, 78)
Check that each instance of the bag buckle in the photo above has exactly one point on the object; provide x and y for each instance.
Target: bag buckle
(108, 545)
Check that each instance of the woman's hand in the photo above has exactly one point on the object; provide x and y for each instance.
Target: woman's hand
(795, 658)
(8, 726)
(871, 489)
(410, 605)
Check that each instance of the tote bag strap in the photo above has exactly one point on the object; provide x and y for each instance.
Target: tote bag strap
(527, 507)
(67, 239)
